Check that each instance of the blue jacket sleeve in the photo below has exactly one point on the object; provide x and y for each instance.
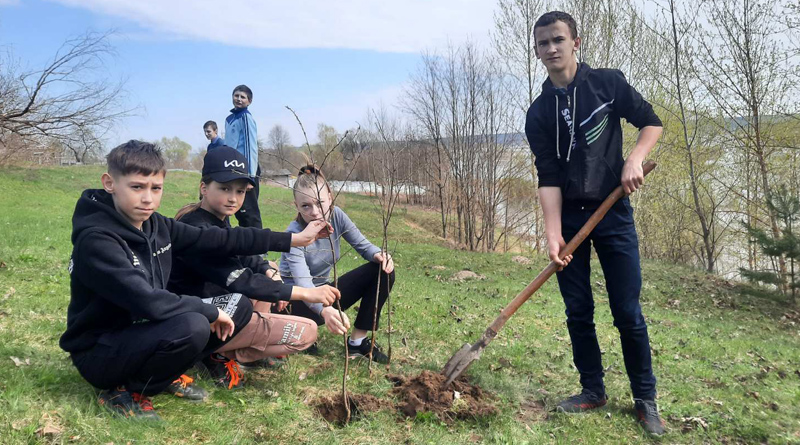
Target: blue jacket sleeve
(250, 149)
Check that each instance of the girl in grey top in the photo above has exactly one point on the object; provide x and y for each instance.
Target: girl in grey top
(310, 266)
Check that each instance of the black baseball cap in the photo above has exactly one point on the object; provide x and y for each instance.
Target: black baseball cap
(225, 164)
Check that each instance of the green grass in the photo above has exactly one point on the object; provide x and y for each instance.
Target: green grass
(728, 364)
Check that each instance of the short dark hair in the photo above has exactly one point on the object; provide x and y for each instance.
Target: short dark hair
(211, 124)
(135, 157)
(548, 18)
(246, 90)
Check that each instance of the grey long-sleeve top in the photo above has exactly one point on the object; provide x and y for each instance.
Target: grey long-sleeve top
(311, 266)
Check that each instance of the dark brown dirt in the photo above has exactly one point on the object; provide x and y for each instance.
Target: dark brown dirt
(332, 409)
(419, 394)
(424, 393)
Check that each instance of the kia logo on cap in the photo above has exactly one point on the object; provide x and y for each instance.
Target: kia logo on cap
(234, 163)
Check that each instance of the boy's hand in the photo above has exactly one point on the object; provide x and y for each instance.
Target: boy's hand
(323, 294)
(314, 230)
(333, 322)
(223, 326)
(385, 260)
(280, 306)
(632, 175)
(555, 244)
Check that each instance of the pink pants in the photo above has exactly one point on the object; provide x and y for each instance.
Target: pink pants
(270, 335)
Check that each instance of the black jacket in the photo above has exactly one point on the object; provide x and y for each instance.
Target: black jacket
(591, 168)
(218, 275)
(118, 274)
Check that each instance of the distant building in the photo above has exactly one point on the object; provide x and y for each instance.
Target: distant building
(276, 177)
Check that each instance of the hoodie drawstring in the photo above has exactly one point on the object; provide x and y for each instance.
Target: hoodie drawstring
(558, 149)
(574, 120)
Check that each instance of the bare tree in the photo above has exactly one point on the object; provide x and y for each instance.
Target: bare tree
(63, 98)
(749, 78)
(83, 144)
(424, 102)
(279, 141)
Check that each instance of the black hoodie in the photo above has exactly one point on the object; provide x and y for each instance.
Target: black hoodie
(119, 273)
(218, 275)
(587, 164)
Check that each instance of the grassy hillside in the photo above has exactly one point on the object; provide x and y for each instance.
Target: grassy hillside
(728, 365)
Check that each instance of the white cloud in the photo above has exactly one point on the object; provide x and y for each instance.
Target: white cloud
(399, 26)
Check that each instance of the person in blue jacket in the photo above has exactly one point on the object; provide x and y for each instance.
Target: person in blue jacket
(241, 134)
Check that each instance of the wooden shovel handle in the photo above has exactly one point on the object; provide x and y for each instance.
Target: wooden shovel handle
(551, 268)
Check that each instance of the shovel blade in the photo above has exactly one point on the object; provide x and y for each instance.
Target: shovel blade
(460, 361)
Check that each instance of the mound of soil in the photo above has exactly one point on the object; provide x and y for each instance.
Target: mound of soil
(424, 393)
(465, 275)
(332, 409)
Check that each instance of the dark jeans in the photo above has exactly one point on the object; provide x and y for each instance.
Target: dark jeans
(145, 357)
(617, 248)
(357, 285)
(250, 215)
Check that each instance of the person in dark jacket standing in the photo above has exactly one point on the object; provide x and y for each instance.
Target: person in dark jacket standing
(210, 130)
(574, 131)
(126, 334)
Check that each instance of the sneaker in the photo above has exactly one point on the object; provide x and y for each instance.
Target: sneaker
(185, 388)
(223, 371)
(311, 350)
(585, 401)
(362, 350)
(264, 363)
(119, 402)
(146, 406)
(647, 411)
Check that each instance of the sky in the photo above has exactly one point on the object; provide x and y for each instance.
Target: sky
(329, 60)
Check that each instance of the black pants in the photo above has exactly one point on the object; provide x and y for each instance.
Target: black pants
(357, 285)
(147, 357)
(617, 247)
(250, 215)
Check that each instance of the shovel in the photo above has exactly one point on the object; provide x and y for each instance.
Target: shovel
(468, 353)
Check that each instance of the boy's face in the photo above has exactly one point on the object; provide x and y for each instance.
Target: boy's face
(136, 196)
(555, 46)
(211, 133)
(223, 198)
(311, 208)
(240, 99)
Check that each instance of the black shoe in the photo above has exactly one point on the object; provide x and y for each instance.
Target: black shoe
(585, 401)
(185, 388)
(647, 411)
(119, 402)
(146, 406)
(222, 371)
(362, 350)
(312, 350)
(264, 363)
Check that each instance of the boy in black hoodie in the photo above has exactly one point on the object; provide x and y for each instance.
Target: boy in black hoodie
(125, 333)
(574, 131)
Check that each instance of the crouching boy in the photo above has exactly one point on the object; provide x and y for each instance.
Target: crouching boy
(126, 334)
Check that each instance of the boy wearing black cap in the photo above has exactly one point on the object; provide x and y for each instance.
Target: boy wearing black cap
(225, 278)
(126, 334)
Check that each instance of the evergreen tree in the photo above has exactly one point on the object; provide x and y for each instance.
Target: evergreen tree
(786, 207)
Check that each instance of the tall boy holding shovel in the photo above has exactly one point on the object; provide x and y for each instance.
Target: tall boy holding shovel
(574, 131)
